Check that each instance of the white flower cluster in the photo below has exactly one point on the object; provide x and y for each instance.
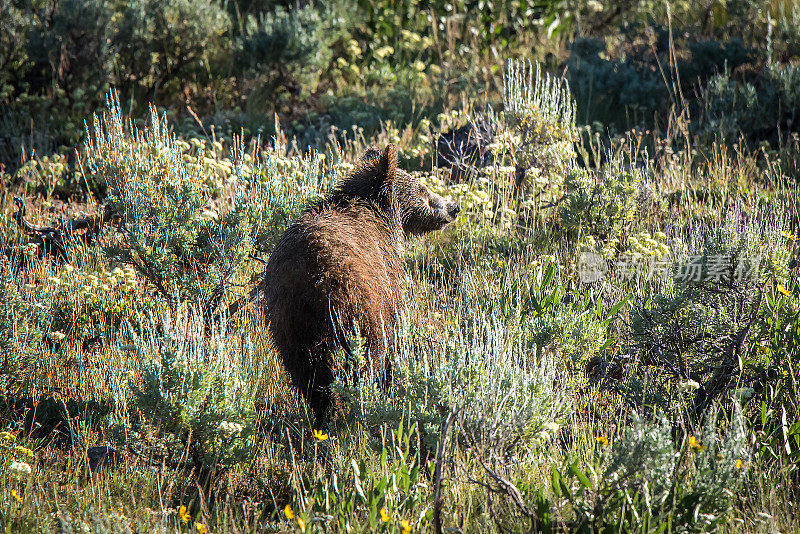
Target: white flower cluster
(548, 430)
(230, 428)
(19, 469)
(124, 279)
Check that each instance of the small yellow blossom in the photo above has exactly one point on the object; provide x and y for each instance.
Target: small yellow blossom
(201, 528)
(184, 513)
(287, 510)
(384, 515)
(739, 463)
(405, 526)
(783, 290)
(788, 235)
(301, 524)
(602, 440)
(320, 435)
(695, 444)
(23, 451)
(384, 51)
(16, 496)
(7, 436)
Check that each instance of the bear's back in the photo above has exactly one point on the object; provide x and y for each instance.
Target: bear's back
(342, 259)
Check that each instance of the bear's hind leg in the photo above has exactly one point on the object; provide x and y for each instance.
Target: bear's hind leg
(311, 373)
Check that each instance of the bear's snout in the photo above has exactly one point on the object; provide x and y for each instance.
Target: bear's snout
(453, 209)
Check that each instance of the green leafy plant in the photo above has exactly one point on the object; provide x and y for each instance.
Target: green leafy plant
(20, 326)
(385, 496)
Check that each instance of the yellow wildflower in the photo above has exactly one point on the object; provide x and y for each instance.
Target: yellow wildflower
(783, 290)
(602, 440)
(23, 452)
(287, 510)
(739, 463)
(695, 444)
(788, 235)
(201, 528)
(384, 515)
(184, 513)
(16, 496)
(405, 526)
(7, 436)
(301, 524)
(320, 435)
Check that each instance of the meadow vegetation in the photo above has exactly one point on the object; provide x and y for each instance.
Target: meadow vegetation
(606, 339)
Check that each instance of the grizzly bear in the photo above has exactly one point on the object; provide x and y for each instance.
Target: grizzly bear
(340, 266)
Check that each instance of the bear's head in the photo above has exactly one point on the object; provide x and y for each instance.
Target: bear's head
(378, 181)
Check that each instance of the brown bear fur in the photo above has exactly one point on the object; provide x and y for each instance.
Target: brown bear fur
(340, 265)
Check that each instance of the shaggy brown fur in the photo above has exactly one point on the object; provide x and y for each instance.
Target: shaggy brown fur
(340, 266)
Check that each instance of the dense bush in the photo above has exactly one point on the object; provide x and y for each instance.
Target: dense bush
(281, 44)
(14, 27)
(765, 109)
(68, 50)
(624, 91)
(160, 45)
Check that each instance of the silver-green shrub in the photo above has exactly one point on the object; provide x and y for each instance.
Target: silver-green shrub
(197, 387)
(539, 125)
(603, 203)
(486, 368)
(175, 230)
(694, 331)
(651, 480)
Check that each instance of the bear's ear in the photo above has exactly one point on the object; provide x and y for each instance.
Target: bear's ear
(388, 163)
(373, 179)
